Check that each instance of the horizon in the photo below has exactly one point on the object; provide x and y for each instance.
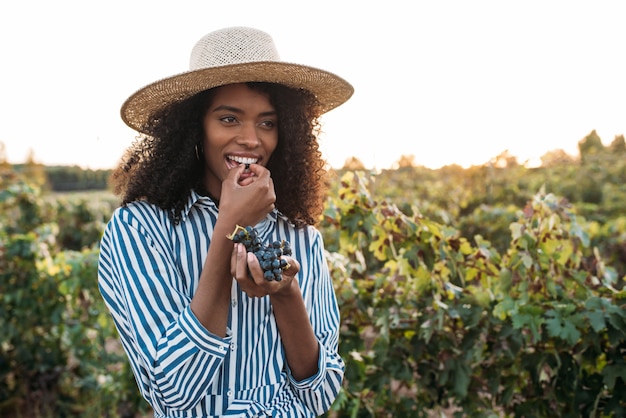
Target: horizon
(526, 163)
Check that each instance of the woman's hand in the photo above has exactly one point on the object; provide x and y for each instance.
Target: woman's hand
(253, 283)
(247, 195)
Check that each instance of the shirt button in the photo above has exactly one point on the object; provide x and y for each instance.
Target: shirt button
(234, 303)
(222, 348)
(229, 393)
(232, 346)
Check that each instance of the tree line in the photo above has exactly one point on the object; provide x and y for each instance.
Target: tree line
(592, 151)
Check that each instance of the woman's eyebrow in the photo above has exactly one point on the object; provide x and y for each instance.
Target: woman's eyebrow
(227, 108)
(234, 109)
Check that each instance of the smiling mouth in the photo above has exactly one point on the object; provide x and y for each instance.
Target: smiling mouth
(242, 160)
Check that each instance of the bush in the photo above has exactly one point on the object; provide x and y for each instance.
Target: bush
(59, 355)
(514, 312)
(432, 321)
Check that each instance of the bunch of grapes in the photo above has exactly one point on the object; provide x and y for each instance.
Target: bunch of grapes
(269, 255)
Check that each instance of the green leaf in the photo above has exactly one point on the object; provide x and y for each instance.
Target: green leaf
(527, 260)
(596, 320)
(612, 372)
(462, 378)
(616, 319)
(505, 280)
(521, 320)
(516, 230)
(560, 327)
(525, 320)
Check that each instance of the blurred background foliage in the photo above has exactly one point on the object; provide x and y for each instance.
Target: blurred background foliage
(488, 291)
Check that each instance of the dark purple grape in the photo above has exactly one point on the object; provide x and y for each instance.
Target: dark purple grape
(269, 255)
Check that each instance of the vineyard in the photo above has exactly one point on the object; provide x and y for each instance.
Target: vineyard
(490, 291)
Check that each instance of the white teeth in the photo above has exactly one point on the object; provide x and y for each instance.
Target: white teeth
(243, 160)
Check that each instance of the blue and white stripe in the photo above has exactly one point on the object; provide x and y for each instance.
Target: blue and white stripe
(148, 272)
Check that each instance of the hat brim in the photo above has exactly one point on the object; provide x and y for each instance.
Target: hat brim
(329, 89)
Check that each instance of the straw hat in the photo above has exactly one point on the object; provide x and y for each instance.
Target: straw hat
(227, 56)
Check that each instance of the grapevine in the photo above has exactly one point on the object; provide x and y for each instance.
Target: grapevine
(269, 255)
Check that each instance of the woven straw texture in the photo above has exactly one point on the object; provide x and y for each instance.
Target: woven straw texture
(227, 56)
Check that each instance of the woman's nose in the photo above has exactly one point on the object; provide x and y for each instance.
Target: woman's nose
(248, 136)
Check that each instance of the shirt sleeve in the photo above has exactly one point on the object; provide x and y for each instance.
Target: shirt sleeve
(319, 391)
(174, 358)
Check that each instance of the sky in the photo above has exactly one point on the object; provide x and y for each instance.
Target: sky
(447, 82)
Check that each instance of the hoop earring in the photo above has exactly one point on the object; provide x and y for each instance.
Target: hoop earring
(198, 152)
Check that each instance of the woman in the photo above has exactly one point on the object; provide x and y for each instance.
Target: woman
(231, 142)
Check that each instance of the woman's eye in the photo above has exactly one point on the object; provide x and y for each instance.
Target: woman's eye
(228, 119)
(268, 123)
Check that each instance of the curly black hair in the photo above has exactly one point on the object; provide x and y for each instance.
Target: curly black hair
(162, 167)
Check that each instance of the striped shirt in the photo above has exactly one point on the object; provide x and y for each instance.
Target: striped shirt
(148, 272)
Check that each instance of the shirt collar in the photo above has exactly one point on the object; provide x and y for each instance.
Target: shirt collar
(196, 199)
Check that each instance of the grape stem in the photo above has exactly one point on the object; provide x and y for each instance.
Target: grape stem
(237, 229)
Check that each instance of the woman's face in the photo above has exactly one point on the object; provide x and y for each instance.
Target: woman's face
(240, 127)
